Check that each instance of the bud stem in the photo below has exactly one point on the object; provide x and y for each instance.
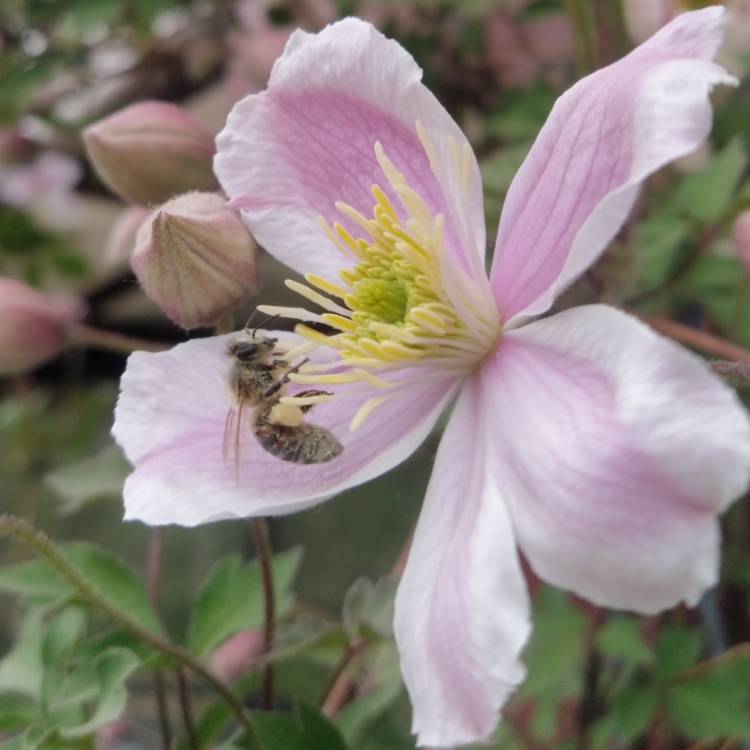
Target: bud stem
(583, 34)
(263, 547)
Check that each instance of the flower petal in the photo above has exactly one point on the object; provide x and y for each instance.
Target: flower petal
(170, 421)
(287, 155)
(614, 449)
(603, 138)
(462, 610)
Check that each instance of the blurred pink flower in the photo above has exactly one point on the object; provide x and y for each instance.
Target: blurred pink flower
(600, 449)
(236, 655)
(33, 326)
(43, 187)
(644, 17)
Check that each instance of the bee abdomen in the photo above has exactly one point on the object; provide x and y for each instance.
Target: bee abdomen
(304, 444)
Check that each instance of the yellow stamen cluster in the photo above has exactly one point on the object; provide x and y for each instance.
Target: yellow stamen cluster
(402, 304)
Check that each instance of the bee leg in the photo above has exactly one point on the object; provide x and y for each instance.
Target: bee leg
(311, 392)
(283, 380)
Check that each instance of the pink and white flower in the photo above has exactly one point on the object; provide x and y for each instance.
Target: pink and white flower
(601, 450)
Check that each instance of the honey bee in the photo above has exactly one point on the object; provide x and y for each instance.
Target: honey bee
(257, 380)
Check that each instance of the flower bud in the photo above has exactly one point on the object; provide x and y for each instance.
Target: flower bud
(741, 238)
(195, 259)
(236, 655)
(33, 325)
(151, 151)
(122, 234)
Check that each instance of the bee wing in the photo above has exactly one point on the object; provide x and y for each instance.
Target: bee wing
(232, 441)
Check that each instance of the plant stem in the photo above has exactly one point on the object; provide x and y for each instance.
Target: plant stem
(585, 45)
(23, 531)
(339, 685)
(263, 547)
(707, 342)
(153, 572)
(183, 691)
(115, 342)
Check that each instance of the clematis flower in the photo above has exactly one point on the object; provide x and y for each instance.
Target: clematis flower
(601, 450)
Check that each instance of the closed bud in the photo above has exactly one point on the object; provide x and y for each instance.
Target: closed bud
(34, 327)
(741, 239)
(195, 259)
(151, 151)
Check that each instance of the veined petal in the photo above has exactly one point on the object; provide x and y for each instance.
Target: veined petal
(170, 421)
(615, 450)
(286, 156)
(462, 610)
(603, 138)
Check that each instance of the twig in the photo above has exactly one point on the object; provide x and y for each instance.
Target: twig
(115, 342)
(735, 373)
(339, 686)
(153, 571)
(23, 531)
(707, 342)
(187, 709)
(263, 547)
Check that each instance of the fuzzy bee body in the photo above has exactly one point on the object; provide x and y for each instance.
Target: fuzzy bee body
(257, 379)
(304, 444)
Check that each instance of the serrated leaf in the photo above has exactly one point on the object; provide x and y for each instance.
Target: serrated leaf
(231, 599)
(17, 711)
(707, 709)
(110, 575)
(677, 649)
(307, 729)
(21, 669)
(369, 606)
(632, 710)
(658, 247)
(620, 638)
(706, 196)
(112, 669)
(97, 477)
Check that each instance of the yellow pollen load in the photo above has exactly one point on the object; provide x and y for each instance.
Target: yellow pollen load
(397, 303)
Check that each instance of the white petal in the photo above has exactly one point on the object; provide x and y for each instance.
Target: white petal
(170, 420)
(462, 606)
(287, 155)
(615, 450)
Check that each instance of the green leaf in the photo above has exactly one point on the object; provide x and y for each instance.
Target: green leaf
(112, 669)
(554, 657)
(706, 196)
(658, 247)
(620, 638)
(714, 703)
(100, 476)
(632, 710)
(16, 711)
(707, 709)
(107, 573)
(677, 648)
(307, 729)
(21, 670)
(231, 599)
(368, 608)
(63, 632)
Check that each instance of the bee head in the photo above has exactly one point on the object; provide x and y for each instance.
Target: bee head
(247, 351)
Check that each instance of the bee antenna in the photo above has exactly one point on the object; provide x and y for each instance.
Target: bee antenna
(262, 323)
